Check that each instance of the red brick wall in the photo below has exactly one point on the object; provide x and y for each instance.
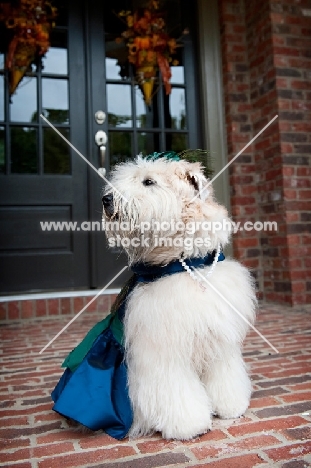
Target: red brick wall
(292, 60)
(242, 172)
(268, 161)
(267, 71)
(53, 307)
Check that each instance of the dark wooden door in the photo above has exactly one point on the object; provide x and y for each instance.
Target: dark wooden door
(170, 123)
(40, 179)
(43, 179)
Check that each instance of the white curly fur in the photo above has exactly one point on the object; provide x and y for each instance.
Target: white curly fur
(183, 345)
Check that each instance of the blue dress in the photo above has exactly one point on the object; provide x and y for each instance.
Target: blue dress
(93, 389)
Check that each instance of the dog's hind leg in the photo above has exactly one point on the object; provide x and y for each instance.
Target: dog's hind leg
(228, 384)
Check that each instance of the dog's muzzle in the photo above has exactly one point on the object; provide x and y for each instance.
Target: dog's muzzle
(108, 204)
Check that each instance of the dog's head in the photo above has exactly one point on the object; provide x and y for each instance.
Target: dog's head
(159, 209)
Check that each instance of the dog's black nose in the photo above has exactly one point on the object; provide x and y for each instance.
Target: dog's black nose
(107, 200)
(108, 204)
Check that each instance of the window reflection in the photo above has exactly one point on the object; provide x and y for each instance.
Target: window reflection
(177, 106)
(146, 116)
(55, 100)
(140, 109)
(178, 75)
(55, 61)
(176, 142)
(148, 143)
(23, 150)
(56, 152)
(2, 150)
(120, 147)
(112, 69)
(119, 105)
(24, 102)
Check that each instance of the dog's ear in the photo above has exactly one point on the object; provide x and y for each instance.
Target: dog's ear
(196, 178)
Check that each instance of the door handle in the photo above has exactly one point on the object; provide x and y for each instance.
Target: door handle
(101, 140)
(102, 154)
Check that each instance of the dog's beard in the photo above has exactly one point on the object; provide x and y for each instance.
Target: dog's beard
(156, 246)
(130, 217)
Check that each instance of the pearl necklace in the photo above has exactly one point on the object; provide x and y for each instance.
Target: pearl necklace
(192, 273)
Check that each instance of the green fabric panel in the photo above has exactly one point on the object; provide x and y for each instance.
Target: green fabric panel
(117, 329)
(75, 357)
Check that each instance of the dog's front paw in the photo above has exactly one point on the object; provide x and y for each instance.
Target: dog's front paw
(180, 425)
(231, 409)
(187, 429)
(231, 400)
(228, 385)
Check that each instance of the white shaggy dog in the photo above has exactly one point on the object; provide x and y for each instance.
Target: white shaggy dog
(182, 337)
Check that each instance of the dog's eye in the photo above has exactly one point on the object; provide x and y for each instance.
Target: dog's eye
(192, 180)
(149, 182)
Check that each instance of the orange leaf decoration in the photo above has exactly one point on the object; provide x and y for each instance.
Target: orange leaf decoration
(165, 72)
(145, 42)
(31, 22)
(150, 47)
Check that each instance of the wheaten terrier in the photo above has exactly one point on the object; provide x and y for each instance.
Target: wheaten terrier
(188, 313)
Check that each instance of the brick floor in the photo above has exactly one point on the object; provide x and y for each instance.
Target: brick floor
(274, 432)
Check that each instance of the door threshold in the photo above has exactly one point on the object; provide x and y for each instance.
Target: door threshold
(55, 294)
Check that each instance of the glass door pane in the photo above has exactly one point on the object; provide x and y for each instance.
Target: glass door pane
(160, 124)
(43, 89)
(132, 124)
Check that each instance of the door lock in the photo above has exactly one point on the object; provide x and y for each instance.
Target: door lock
(100, 117)
(100, 138)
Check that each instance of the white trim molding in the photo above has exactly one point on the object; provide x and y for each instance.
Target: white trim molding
(212, 104)
(56, 295)
(214, 133)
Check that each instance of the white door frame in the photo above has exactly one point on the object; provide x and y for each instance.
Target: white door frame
(213, 125)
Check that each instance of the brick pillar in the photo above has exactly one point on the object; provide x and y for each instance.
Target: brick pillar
(291, 35)
(242, 173)
(274, 274)
(275, 58)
